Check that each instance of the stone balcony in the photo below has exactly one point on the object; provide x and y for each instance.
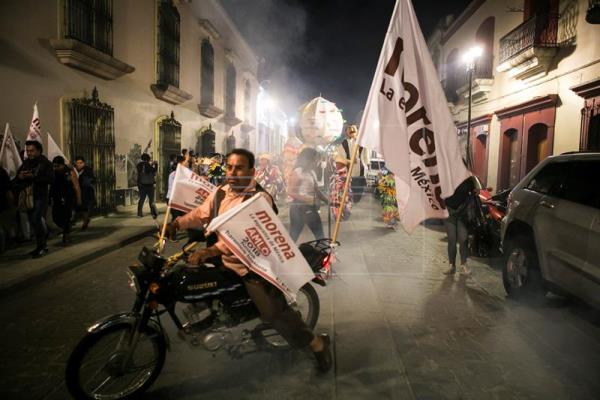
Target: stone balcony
(81, 56)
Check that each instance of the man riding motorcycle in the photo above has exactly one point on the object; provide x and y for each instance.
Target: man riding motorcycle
(270, 302)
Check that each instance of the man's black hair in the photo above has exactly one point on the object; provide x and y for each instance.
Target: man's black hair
(59, 160)
(35, 144)
(243, 152)
(79, 158)
(145, 157)
(183, 151)
(180, 159)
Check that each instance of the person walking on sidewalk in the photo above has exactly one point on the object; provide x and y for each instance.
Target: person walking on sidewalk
(456, 224)
(32, 181)
(64, 194)
(87, 180)
(305, 195)
(270, 301)
(146, 178)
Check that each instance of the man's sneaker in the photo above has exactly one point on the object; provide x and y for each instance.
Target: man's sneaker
(323, 357)
(40, 253)
(464, 269)
(451, 270)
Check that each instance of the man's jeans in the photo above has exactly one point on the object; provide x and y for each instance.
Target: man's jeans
(37, 218)
(147, 191)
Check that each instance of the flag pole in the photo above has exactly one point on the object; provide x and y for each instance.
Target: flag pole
(163, 230)
(338, 219)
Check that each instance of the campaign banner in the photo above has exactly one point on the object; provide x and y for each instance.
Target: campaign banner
(9, 154)
(407, 119)
(254, 233)
(189, 190)
(55, 150)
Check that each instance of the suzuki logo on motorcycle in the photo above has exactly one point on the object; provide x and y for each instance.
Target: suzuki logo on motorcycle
(200, 286)
(258, 241)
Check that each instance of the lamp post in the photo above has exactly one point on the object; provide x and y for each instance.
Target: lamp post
(470, 59)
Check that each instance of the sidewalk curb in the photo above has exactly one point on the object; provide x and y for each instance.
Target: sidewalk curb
(60, 267)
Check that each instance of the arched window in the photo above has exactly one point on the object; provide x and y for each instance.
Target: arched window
(230, 90)
(206, 143)
(512, 155)
(537, 145)
(207, 74)
(452, 75)
(247, 101)
(168, 44)
(485, 39)
(593, 139)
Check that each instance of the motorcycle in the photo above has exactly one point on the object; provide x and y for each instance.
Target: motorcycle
(122, 355)
(487, 221)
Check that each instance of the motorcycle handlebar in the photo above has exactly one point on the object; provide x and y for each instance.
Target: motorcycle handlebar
(178, 256)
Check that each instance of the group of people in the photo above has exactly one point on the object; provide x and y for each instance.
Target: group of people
(38, 184)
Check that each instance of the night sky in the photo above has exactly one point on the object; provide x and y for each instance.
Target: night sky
(327, 47)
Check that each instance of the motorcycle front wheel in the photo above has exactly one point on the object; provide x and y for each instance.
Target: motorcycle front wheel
(98, 367)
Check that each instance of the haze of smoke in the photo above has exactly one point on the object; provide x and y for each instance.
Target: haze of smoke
(276, 30)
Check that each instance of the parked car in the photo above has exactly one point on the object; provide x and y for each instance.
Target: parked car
(551, 233)
(374, 169)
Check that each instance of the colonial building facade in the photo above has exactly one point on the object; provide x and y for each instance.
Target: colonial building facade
(535, 88)
(113, 79)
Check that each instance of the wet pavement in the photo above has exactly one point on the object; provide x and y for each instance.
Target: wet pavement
(401, 330)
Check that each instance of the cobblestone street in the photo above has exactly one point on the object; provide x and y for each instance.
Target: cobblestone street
(401, 330)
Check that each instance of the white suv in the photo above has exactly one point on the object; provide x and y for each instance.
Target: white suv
(373, 170)
(551, 232)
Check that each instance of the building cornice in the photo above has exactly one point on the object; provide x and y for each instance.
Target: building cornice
(483, 119)
(588, 89)
(538, 103)
(462, 18)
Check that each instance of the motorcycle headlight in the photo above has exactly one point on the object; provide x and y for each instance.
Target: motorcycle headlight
(133, 281)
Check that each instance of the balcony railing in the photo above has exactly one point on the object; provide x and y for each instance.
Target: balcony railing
(539, 31)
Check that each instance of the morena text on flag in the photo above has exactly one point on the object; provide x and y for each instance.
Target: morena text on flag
(422, 140)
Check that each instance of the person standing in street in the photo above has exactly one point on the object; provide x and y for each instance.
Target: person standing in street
(64, 194)
(304, 196)
(456, 225)
(32, 181)
(146, 179)
(87, 180)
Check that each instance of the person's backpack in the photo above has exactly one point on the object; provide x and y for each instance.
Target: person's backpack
(147, 174)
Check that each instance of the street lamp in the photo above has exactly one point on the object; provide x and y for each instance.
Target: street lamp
(470, 59)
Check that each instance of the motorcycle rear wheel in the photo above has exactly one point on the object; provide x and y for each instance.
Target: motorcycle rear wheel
(103, 352)
(307, 304)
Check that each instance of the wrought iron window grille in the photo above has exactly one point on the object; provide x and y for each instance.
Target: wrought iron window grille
(90, 22)
(90, 133)
(168, 44)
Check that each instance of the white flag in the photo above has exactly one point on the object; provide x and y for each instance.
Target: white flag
(189, 190)
(408, 121)
(9, 153)
(35, 130)
(54, 150)
(254, 233)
